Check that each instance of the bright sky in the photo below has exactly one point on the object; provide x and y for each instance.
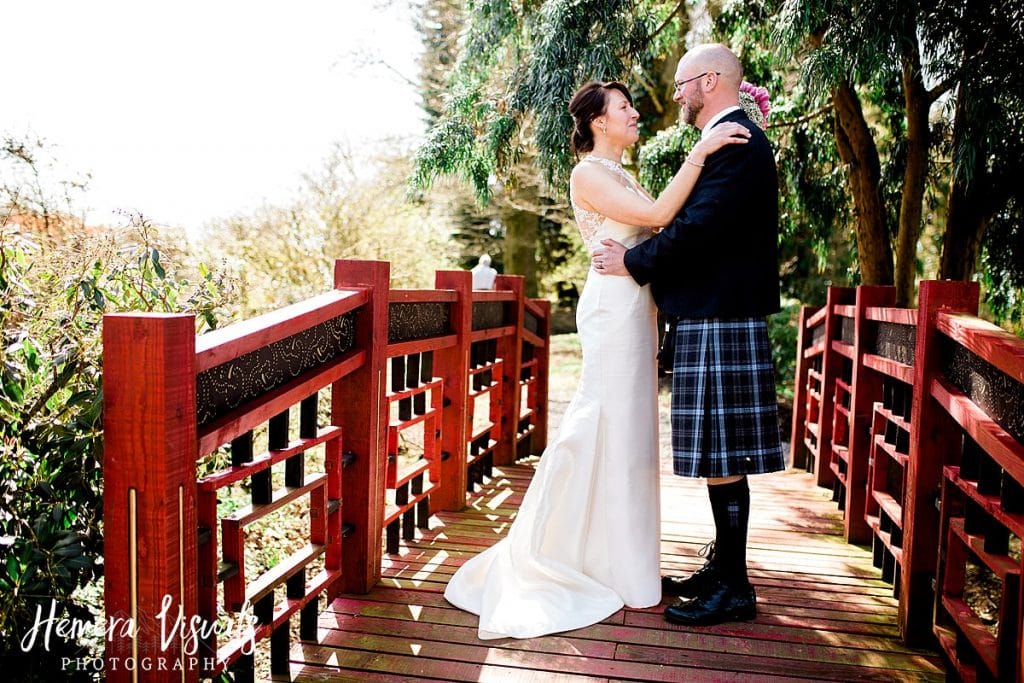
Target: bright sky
(190, 110)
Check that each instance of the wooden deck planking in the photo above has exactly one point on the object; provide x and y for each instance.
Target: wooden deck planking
(823, 613)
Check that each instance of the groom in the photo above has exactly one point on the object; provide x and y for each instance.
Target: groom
(715, 268)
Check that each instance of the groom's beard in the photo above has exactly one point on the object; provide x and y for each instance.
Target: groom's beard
(693, 106)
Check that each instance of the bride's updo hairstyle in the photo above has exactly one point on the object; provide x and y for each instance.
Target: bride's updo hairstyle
(589, 102)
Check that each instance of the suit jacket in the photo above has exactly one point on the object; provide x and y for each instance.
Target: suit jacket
(719, 256)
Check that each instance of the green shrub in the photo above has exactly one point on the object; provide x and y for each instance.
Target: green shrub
(782, 330)
(52, 299)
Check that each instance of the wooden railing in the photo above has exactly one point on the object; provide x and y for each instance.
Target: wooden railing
(392, 361)
(915, 419)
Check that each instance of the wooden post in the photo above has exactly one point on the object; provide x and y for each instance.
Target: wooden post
(359, 407)
(149, 489)
(934, 442)
(830, 367)
(451, 365)
(543, 356)
(797, 448)
(866, 389)
(510, 350)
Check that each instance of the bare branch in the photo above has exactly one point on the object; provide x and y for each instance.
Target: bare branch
(803, 119)
(667, 20)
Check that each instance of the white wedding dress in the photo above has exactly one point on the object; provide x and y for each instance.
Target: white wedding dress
(586, 537)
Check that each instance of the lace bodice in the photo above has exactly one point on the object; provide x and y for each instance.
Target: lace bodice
(594, 227)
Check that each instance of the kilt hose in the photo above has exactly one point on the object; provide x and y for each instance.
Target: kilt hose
(725, 419)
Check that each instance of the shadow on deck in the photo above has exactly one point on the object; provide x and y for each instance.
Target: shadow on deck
(822, 612)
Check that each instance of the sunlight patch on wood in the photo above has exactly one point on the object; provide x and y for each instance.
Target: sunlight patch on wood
(499, 499)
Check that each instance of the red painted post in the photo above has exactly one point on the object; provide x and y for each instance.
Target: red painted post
(866, 389)
(510, 350)
(830, 366)
(543, 356)
(934, 443)
(149, 488)
(359, 407)
(451, 365)
(797, 448)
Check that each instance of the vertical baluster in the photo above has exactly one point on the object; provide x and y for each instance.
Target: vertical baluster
(243, 669)
(262, 487)
(970, 459)
(241, 449)
(412, 380)
(902, 441)
(989, 475)
(309, 619)
(409, 516)
(997, 538)
(888, 566)
(308, 417)
(409, 380)
(426, 374)
(397, 374)
(263, 610)
(422, 507)
(278, 432)
(974, 518)
(475, 362)
(492, 357)
(280, 646)
(877, 548)
(296, 590)
(1011, 497)
(401, 499)
(399, 382)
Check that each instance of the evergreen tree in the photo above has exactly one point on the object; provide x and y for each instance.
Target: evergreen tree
(922, 100)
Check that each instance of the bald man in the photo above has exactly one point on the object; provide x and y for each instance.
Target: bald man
(715, 270)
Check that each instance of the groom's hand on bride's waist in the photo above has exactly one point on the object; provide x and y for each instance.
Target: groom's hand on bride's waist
(608, 259)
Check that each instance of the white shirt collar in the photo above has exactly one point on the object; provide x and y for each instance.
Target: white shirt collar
(706, 130)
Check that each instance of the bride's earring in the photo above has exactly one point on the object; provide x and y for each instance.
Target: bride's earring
(604, 128)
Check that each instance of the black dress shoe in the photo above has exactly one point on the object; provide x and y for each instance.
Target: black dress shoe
(697, 583)
(720, 604)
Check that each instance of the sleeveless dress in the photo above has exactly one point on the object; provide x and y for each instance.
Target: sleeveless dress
(586, 537)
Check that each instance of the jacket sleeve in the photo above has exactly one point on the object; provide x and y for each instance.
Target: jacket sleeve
(714, 203)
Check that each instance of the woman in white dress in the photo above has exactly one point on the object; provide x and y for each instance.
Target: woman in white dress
(586, 538)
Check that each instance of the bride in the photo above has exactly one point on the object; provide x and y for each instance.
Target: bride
(586, 538)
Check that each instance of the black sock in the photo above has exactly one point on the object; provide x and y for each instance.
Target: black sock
(730, 504)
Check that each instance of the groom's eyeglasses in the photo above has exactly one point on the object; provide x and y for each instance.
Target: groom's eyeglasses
(679, 84)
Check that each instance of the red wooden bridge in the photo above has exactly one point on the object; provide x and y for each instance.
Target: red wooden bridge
(398, 429)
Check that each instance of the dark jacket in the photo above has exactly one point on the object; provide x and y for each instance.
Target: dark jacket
(719, 256)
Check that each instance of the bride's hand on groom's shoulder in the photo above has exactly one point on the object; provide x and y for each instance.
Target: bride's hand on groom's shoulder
(723, 134)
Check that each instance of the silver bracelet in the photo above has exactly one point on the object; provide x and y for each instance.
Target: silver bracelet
(693, 163)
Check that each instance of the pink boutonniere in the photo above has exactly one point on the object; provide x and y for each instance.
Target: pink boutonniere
(754, 100)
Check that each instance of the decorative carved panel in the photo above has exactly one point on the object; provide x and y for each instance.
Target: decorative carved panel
(227, 386)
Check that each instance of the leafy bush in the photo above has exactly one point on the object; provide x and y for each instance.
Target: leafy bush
(53, 294)
(782, 330)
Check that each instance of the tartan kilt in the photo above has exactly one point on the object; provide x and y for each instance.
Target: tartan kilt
(725, 419)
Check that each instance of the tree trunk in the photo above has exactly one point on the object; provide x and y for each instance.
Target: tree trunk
(857, 149)
(915, 174)
(521, 232)
(964, 231)
(974, 196)
(968, 215)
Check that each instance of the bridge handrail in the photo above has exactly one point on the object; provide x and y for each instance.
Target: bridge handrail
(172, 397)
(924, 451)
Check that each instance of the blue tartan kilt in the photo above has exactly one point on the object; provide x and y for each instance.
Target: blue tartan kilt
(725, 419)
